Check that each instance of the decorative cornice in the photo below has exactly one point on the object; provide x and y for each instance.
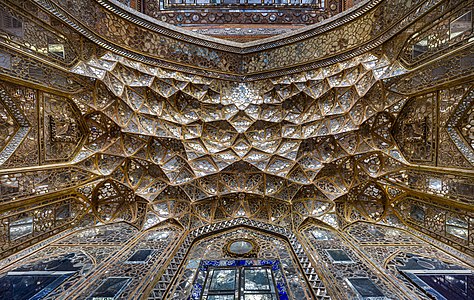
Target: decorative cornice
(229, 49)
(229, 46)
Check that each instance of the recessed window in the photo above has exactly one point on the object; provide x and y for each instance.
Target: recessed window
(222, 280)
(417, 213)
(257, 279)
(57, 50)
(30, 285)
(5, 60)
(457, 227)
(460, 25)
(37, 280)
(438, 279)
(420, 47)
(10, 24)
(339, 256)
(450, 285)
(239, 280)
(244, 283)
(110, 289)
(140, 256)
(63, 212)
(365, 288)
(21, 227)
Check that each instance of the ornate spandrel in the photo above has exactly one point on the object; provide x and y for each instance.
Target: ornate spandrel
(63, 129)
(22, 184)
(57, 128)
(415, 129)
(448, 153)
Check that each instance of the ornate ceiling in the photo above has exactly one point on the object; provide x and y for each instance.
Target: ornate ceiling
(213, 137)
(113, 116)
(309, 138)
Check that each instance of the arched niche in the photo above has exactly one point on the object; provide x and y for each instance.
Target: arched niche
(184, 266)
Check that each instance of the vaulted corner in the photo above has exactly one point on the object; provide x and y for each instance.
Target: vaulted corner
(236, 149)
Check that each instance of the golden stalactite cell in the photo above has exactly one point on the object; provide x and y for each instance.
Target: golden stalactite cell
(366, 202)
(112, 201)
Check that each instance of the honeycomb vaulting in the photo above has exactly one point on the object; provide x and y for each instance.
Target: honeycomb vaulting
(340, 153)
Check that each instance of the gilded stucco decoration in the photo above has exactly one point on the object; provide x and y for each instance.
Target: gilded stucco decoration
(123, 136)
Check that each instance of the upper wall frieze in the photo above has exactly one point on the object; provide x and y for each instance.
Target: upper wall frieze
(114, 27)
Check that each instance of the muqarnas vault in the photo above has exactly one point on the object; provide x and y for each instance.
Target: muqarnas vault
(236, 150)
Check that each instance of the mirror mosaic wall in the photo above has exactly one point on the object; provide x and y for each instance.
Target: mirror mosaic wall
(246, 150)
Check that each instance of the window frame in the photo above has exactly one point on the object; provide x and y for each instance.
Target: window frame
(239, 278)
(279, 283)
